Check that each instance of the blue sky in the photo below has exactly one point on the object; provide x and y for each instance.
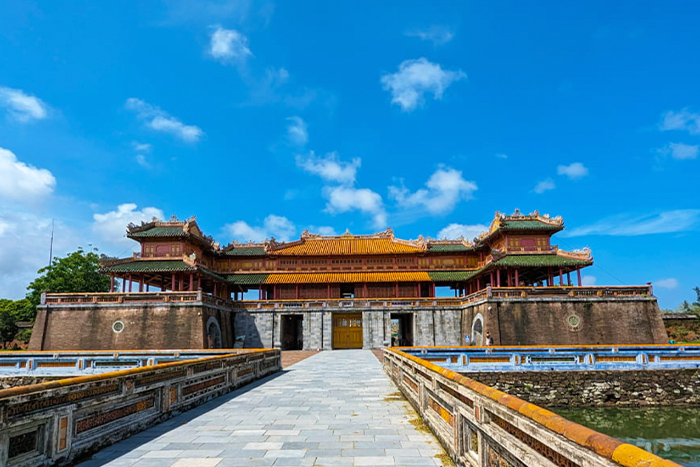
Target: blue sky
(264, 119)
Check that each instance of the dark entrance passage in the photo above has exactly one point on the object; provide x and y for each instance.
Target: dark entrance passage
(292, 330)
(402, 329)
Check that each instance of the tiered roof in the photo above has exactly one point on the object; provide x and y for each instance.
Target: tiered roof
(518, 222)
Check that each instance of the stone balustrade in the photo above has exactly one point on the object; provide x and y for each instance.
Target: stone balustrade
(58, 422)
(481, 426)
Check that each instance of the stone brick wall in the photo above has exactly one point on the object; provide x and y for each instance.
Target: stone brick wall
(598, 388)
(569, 322)
(146, 326)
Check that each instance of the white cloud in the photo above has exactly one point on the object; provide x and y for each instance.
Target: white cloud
(573, 171)
(228, 45)
(670, 283)
(445, 188)
(680, 151)
(111, 226)
(21, 182)
(21, 106)
(347, 198)
(330, 168)
(323, 230)
(160, 120)
(438, 35)
(141, 160)
(682, 120)
(416, 78)
(281, 228)
(680, 220)
(468, 232)
(26, 241)
(142, 147)
(297, 131)
(588, 280)
(544, 185)
(502, 156)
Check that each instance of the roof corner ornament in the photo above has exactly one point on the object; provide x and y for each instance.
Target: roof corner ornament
(517, 213)
(305, 233)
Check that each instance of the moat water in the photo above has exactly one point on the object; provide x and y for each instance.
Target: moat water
(669, 432)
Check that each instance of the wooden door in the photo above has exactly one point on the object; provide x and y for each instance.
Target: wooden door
(347, 330)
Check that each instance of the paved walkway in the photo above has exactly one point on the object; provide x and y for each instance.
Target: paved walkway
(333, 409)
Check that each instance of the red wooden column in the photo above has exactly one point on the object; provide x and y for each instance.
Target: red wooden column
(396, 288)
(517, 281)
(129, 282)
(364, 290)
(561, 277)
(141, 283)
(568, 278)
(172, 282)
(296, 291)
(508, 272)
(328, 291)
(578, 273)
(478, 284)
(492, 283)
(111, 283)
(181, 287)
(199, 282)
(148, 288)
(498, 277)
(215, 289)
(191, 282)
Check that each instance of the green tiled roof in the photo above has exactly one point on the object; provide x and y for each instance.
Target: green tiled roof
(247, 279)
(175, 231)
(450, 276)
(246, 251)
(149, 266)
(540, 260)
(529, 225)
(441, 247)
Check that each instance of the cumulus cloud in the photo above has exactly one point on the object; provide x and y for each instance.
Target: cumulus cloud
(502, 156)
(588, 280)
(670, 283)
(323, 230)
(296, 131)
(21, 106)
(544, 185)
(141, 160)
(679, 151)
(415, 79)
(111, 226)
(279, 227)
(444, 189)
(159, 120)
(229, 45)
(21, 182)
(330, 168)
(142, 147)
(438, 35)
(573, 171)
(347, 198)
(26, 241)
(680, 220)
(468, 232)
(684, 120)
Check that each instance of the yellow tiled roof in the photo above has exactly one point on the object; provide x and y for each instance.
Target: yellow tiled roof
(347, 246)
(347, 277)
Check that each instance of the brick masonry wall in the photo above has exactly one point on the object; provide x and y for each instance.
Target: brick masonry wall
(598, 388)
(549, 322)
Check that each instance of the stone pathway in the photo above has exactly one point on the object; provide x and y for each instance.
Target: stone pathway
(336, 408)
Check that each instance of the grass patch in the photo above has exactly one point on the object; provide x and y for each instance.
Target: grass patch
(445, 459)
(394, 396)
(420, 425)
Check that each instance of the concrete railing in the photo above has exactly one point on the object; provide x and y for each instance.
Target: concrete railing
(561, 358)
(482, 426)
(598, 292)
(58, 422)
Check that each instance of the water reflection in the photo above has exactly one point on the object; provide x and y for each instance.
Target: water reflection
(669, 432)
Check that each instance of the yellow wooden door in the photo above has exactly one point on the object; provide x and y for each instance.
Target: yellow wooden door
(347, 331)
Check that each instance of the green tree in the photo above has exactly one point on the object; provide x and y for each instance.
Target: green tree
(77, 272)
(8, 328)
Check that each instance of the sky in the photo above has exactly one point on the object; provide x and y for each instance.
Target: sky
(264, 119)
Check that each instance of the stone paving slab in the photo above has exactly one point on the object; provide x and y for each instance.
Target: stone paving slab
(336, 408)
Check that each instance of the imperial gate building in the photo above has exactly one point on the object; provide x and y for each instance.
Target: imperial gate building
(183, 290)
